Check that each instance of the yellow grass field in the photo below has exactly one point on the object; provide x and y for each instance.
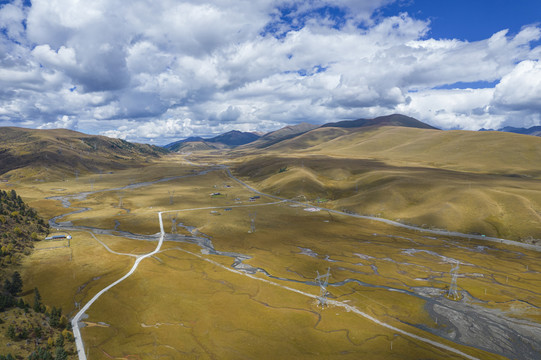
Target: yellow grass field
(235, 277)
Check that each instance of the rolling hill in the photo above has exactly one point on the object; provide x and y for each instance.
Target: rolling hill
(472, 182)
(190, 146)
(175, 146)
(284, 133)
(41, 154)
(303, 136)
(394, 167)
(251, 141)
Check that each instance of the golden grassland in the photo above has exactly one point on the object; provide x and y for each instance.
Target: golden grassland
(69, 275)
(340, 238)
(216, 314)
(486, 183)
(177, 305)
(481, 152)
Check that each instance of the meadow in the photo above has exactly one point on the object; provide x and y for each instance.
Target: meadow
(232, 278)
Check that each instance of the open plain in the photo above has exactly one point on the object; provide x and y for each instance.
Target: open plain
(235, 276)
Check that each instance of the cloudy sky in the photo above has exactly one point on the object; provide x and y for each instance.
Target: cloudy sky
(158, 71)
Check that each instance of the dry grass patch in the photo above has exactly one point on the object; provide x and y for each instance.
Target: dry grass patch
(190, 308)
(65, 276)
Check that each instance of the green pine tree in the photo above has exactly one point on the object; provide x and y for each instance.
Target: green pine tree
(11, 332)
(16, 284)
(38, 306)
(59, 340)
(61, 354)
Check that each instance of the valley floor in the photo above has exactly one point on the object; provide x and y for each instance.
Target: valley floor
(223, 272)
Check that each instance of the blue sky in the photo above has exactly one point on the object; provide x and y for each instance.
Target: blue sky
(469, 19)
(159, 71)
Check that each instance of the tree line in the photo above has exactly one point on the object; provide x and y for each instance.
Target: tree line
(20, 226)
(47, 328)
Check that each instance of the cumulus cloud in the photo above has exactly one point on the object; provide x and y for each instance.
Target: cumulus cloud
(521, 88)
(63, 58)
(466, 109)
(170, 69)
(64, 122)
(11, 20)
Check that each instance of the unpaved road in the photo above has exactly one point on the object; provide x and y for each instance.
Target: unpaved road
(75, 321)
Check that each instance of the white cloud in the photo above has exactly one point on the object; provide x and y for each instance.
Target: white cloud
(466, 109)
(11, 19)
(168, 69)
(521, 88)
(64, 122)
(63, 58)
(168, 129)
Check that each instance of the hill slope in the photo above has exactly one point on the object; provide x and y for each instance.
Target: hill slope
(20, 225)
(175, 146)
(194, 146)
(282, 134)
(20, 334)
(43, 154)
(307, 136)
(472, 182)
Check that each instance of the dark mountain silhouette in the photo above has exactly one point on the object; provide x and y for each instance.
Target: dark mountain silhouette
(234, 138)
(389, 120)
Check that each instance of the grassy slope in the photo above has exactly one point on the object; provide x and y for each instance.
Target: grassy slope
(192, 146)
(479, 182)
(488, 152)
(51, 154)
(281, 134)
(15, 214)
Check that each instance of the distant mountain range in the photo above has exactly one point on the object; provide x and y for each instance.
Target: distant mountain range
(247, 140)
(230, 139)
(67, 151)
(534, 130)
(237, 138)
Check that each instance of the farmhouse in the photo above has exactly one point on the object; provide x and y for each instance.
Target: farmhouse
(58, 237)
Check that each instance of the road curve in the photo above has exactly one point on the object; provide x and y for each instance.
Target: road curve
(75, 321)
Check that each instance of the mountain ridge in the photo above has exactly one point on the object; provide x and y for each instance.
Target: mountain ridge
(55, 152)
(246, 140)
(387, 120)
(229, 139)
(281, 134)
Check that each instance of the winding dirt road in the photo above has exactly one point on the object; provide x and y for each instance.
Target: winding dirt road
(75, 321)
